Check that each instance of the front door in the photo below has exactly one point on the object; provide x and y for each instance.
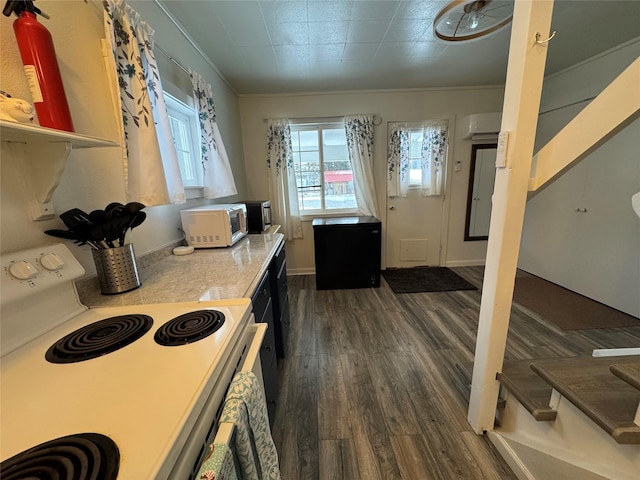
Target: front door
(413, 230)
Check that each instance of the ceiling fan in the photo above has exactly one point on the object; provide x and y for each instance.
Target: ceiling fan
(463, 20)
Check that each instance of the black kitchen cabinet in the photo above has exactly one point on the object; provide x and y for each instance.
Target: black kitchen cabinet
(347, 252)
(263, 311)
(280, 296)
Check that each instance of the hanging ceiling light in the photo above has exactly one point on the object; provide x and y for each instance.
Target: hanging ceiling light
(464, 20)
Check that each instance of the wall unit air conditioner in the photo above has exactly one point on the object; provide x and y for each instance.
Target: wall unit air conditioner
(482, 126)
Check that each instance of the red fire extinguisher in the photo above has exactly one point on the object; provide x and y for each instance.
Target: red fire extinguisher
(40, 65)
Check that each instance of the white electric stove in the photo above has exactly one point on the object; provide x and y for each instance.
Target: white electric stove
(150, 407)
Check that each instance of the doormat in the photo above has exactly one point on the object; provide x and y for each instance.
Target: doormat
(566, 309)
(425, 279)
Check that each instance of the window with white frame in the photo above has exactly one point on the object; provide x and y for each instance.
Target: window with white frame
(415, 157)
(185, 129)
(322, 168)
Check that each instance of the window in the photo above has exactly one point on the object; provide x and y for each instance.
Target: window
(415, 158)
(322, 168)
(185, 129)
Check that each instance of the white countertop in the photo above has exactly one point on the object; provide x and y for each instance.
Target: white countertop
(206, 274)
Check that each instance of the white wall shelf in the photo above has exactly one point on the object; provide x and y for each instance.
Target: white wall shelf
(24, 133)
(43, 153)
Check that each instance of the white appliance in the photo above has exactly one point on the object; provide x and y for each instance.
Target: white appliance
(214, 225)
(482, 126)
(148, 409)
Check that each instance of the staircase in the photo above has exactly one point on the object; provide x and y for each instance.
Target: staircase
(571, 418)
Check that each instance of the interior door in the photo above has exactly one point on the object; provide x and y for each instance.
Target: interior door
(413, 230)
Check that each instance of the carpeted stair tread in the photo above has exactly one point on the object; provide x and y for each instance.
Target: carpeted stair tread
(588, 383)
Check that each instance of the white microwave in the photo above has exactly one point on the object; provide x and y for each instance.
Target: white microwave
(214, 225)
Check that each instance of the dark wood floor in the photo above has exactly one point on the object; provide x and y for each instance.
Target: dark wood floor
(375, 385)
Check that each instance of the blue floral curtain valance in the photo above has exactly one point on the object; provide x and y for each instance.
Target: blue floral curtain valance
(216, 168)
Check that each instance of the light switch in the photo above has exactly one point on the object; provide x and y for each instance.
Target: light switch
(501, 154)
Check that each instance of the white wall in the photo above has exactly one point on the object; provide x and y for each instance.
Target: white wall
(595, 253)
(391, 106)
(93, 177)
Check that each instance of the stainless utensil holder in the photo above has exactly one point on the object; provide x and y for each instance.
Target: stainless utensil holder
(116, 268)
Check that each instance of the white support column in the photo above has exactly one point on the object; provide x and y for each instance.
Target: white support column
(519, 118)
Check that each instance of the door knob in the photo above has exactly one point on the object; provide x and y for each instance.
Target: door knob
(392, 207)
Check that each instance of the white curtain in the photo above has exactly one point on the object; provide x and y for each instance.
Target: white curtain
(216, 169)
(151, 170)
(433, 152)
(359, 130)
(398, 161)
(282, 179)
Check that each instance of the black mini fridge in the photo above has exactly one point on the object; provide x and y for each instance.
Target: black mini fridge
(347, 252)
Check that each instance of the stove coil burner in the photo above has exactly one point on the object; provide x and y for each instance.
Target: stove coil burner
(189, 328)
(85, 456)
(99, 338)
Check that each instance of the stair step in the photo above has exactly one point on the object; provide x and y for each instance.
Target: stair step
(528, 388)
(588, 383)
(630, 373)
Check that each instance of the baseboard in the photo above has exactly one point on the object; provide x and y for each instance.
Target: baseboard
(301, 271)
(455, 263)
(466, 263)
(615, 352)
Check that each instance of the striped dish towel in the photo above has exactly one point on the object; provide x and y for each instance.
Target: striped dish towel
(245, 406)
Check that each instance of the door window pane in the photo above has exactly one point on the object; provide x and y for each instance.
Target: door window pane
(415, 156)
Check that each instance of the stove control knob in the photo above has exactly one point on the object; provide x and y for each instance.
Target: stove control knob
(23, 270)
(51, 261)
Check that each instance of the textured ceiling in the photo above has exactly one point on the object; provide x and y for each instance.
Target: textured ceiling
(274, 46)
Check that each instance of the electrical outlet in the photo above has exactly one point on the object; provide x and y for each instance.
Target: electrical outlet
(501, 154)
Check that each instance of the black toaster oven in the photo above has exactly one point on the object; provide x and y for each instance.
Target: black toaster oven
(258, 215)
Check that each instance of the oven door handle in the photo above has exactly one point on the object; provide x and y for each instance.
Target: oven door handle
(255, 336)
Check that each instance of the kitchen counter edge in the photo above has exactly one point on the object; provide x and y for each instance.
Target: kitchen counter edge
(207, 274)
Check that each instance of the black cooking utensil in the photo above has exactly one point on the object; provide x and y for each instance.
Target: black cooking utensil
(110, 230)
(66, 234)
(101, 228)
(113, 210)
(79, 223)
(134, 207)
(135, 221)
(75, 219)
(112, 205)
(138, 219)
(97, 216)
(69, 235)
